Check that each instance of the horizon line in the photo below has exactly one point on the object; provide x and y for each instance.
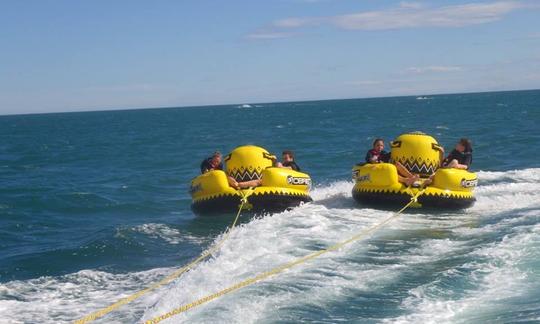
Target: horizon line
(258, 103)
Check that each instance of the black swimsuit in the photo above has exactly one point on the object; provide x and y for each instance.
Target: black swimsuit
(462, 157)
(292, 165)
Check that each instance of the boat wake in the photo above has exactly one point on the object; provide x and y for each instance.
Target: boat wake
(480, 264)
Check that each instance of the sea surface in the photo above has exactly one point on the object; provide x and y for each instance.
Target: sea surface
(95, 206)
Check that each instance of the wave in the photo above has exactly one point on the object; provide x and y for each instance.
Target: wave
(63, 299)
(465, 266)
(497, 278)
(168, 234)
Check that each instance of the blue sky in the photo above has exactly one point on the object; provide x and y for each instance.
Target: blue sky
(94, 55)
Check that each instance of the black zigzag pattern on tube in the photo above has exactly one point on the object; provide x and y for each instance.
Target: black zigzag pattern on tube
(419, 166)
(246, 174)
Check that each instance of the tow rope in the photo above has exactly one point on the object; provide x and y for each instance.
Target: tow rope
(281, 268)
(172, 276)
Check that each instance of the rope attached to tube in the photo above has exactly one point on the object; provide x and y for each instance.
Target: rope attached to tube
(281, 268)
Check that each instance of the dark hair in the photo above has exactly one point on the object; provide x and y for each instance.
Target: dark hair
(216, 153)
(288, 152)
(377, 140)
(466, 144)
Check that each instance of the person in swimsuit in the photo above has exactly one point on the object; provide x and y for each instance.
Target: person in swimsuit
(461, 156)
(288, 161)
(212, 163)
(215, 163)
(378, 155)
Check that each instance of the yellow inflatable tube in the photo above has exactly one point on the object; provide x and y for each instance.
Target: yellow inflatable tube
(419, 153)
(280, 188)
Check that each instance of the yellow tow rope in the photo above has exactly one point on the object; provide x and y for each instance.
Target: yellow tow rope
(281, 268)
(172, 276)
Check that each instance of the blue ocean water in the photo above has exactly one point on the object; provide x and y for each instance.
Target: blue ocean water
(95, 206)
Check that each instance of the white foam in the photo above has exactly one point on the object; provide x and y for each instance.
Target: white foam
(168, 234)
(66, 298)
(507, 190)
(414, 241)
(269, 242)
(319, 224)
(339, 188)
(498, 277)
(525, 175)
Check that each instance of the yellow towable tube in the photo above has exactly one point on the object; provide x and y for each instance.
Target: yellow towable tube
(419, 153)
(281, 188)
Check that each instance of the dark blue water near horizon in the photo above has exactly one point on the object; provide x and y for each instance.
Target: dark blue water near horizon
(95, 205)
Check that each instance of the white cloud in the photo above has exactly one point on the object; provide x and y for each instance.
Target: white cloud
(434, 69)
(269, 35)
(297, 22)
(411, 15)
(411, 5)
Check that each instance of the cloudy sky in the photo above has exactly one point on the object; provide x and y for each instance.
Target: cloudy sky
(68, 55)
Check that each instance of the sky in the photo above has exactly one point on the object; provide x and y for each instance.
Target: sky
(68, 55)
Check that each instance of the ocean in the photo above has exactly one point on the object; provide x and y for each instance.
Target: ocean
(94, 206)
